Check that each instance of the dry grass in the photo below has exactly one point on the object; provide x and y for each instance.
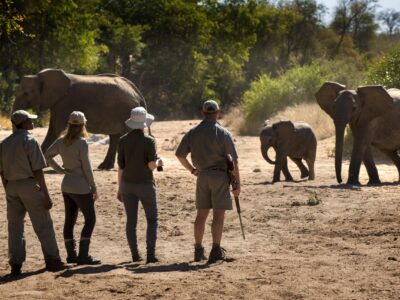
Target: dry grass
(234, 119)
(5, 123)
(310, 113)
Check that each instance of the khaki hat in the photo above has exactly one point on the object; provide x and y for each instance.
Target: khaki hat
(139, 119)
(210, 106)
(77, 118)
(20, 116)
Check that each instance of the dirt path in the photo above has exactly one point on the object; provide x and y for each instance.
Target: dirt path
(346, 247)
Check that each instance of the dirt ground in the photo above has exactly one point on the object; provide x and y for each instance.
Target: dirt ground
(345, 247)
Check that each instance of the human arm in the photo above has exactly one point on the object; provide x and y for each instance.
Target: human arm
(236, 174)
(153, 161)
(3, 180)
(49, 155)
(39, 176)
(230, 151)
(181, 153)
(87, 167)
(187, 165)
(119, 180)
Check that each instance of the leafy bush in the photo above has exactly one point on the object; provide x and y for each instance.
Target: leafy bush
(268, 95)
(386, 71)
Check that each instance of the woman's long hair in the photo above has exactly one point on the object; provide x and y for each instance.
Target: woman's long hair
(73, 132)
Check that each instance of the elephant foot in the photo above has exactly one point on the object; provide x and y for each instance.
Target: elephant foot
(304, 175)
(106, 165)
(374, 182)
(353, 182)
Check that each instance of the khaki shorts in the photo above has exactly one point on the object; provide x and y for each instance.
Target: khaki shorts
(212, 190)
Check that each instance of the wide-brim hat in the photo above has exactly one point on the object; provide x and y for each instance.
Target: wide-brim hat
(139, 119)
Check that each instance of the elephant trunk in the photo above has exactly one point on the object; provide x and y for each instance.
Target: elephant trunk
(264, 152)
(339, 150)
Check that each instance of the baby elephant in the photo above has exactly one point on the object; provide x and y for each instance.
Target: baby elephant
(296, 140)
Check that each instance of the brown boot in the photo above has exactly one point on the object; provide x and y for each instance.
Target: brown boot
(199, 254)
(55, 265)
(84, 258)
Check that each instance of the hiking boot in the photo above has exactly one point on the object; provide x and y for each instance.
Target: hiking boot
(70, 246)
(199, 254)
(217, 253)
(84, 258)
(136, 257)
(55, 265)
(151, 258)
(15, 270)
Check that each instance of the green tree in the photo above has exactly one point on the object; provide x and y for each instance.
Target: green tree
(354, 18)
(386, 71)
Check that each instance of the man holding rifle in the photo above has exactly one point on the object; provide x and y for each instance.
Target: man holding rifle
(210, 144)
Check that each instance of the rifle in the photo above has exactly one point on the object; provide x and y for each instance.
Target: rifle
(233, 182)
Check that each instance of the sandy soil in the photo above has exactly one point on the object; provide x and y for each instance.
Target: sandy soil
(346, 247)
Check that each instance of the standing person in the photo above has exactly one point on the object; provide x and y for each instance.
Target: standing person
(137, 158)
(21, 164)
(78, 186)
(209, 144)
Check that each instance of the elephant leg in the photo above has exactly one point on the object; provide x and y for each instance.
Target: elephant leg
(285, 170)
(394, 157)
(109, 160)
(355, 162)
(369, 163)
(310, 163)
(52, 134)
(277, 168)
(301, 166)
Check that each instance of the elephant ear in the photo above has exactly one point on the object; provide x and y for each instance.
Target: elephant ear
(375, 101)
(327, 94)
(54, 85)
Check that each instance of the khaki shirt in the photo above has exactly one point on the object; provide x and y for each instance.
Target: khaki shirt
(209, 143)
(20, 155)
(77, 167)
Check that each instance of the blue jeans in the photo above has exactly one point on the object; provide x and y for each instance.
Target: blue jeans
(146, 194)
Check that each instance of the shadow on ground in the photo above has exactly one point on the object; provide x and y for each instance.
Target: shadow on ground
(176, 267)
(88, 270)
(7, 278)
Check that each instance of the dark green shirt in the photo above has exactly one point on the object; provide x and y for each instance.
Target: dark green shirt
(135, 151)
(209, 143)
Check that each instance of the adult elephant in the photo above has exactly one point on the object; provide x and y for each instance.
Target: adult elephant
(106, 100)
(373, 114)
(294, 140)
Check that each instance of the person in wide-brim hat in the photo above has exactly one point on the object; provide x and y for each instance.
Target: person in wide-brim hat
(139, 119)
(137, 159)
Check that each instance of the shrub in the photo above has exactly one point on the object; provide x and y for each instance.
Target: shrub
(386, 71)
(268, 95)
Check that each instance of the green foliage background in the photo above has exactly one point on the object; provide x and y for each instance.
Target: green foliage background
(263, 54)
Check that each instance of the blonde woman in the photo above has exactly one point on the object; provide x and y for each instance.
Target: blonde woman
(78, 186)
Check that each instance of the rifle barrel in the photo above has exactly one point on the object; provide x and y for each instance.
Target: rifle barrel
(240, 216)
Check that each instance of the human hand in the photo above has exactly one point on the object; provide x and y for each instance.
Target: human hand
(95, 196)
(236, 190)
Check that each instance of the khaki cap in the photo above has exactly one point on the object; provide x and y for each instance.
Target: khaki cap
(20, 116)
